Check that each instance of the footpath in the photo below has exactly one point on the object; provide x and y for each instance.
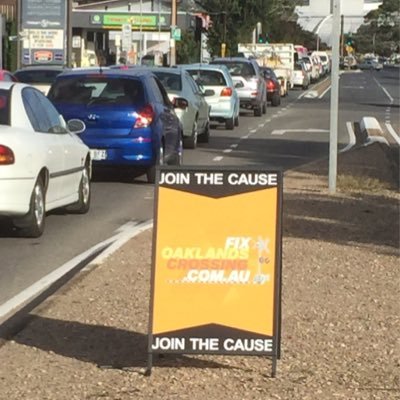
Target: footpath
(340, 309)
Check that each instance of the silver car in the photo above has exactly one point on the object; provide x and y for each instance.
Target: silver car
(249, 83)
(191, 107)
(225, 103)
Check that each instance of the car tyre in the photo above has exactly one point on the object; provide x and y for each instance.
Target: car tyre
(191, 141)
(276, 100)
(83, 204)
(32, 224)
(230, 123)
(258, 111)
(264, 108)
(151, 171)
(237, 120)
(205, 136)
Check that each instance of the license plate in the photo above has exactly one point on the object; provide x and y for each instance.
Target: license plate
(98, 154)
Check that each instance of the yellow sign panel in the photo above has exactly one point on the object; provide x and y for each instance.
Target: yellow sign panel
(216, 262)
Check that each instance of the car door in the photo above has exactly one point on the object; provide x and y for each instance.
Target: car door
(200, 103)
(170, 121)
(73, 160)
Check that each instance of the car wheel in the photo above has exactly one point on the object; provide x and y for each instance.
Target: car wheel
(191, 141)
(83, 204)
(264, 108)
(237, 120)
(276, 100)
(151, 171)
(205, 136)
(32, 224)
(258, 111)
(230, 123)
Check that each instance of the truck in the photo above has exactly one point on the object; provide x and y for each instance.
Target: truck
(278, 56)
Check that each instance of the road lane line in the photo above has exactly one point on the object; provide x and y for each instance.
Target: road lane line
(393, 133)
(352, 136)
(227, 151)
(219, 158)
(106, 247)
(234, 145)
(245, 137)
(253, 130)
(385, 91)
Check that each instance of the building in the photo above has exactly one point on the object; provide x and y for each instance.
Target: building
(316, 15)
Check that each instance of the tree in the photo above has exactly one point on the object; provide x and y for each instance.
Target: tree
(381, 31)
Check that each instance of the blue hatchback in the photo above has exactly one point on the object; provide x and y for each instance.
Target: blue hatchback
(129, 118)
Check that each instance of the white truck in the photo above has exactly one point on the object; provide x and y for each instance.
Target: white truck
(278, 56)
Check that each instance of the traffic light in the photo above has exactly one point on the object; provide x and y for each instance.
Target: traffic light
(263, 38)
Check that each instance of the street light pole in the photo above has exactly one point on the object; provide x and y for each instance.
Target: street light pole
(173, 26)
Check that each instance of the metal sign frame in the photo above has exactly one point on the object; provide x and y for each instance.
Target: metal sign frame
(216, 280)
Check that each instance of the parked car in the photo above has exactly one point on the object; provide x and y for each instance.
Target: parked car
(39, 76)
(192, 107)
(225, 102)
(273, 86)
(300, 76)
(312, 67)
(43, 163)
(249, 82)
(7, 76)
(130, 120)
(370, 64)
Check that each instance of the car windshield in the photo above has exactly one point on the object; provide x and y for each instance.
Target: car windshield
(170, 81)
(4, 107)
(237, 68)
(38, 76)
(208, 77)
(91, 90)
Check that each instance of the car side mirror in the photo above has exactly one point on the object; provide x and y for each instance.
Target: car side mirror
(76, 126)
(180, 102)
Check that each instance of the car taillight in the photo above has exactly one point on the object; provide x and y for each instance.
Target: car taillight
(6, 155)
(270, 85)
(144, 117)
(226, 92)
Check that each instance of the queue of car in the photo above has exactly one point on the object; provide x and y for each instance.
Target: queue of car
(61, 123)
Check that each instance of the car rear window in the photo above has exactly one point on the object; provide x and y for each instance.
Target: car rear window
(4, 107)
(238, 68)
(37, 77)
(208, 77)
(170, 81)
(93, 90)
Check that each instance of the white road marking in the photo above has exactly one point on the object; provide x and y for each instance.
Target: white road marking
(227, 151)
(393, 133)
(352, 87)
(385, 91)
(261, 125)
(234, 145)
(283, 131)
(123, 234)
(219, 158)
(245, 137)
(352, 136)
(253, 130)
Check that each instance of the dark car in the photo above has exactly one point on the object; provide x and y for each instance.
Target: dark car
(39, 76)
(273, 86)
(249, 82)
(130, 121)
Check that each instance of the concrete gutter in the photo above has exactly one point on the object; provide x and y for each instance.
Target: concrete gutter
(372, 131)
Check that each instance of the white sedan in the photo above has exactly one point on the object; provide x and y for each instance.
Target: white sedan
(43, 163)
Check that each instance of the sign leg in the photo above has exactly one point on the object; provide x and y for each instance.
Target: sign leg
(273, 370)
(149, 364)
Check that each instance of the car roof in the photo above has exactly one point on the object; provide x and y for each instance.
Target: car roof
(134, 72)
(236, 59)
(174, 70)
(42, 67)
(205, 66)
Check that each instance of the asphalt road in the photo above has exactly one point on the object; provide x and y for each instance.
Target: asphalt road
(287, 136)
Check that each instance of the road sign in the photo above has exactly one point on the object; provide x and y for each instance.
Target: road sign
(176, 33)
(126, 37)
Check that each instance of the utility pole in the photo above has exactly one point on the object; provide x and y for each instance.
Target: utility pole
(341, 35)
(69, 33)
(333, 136)
(172, 60)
